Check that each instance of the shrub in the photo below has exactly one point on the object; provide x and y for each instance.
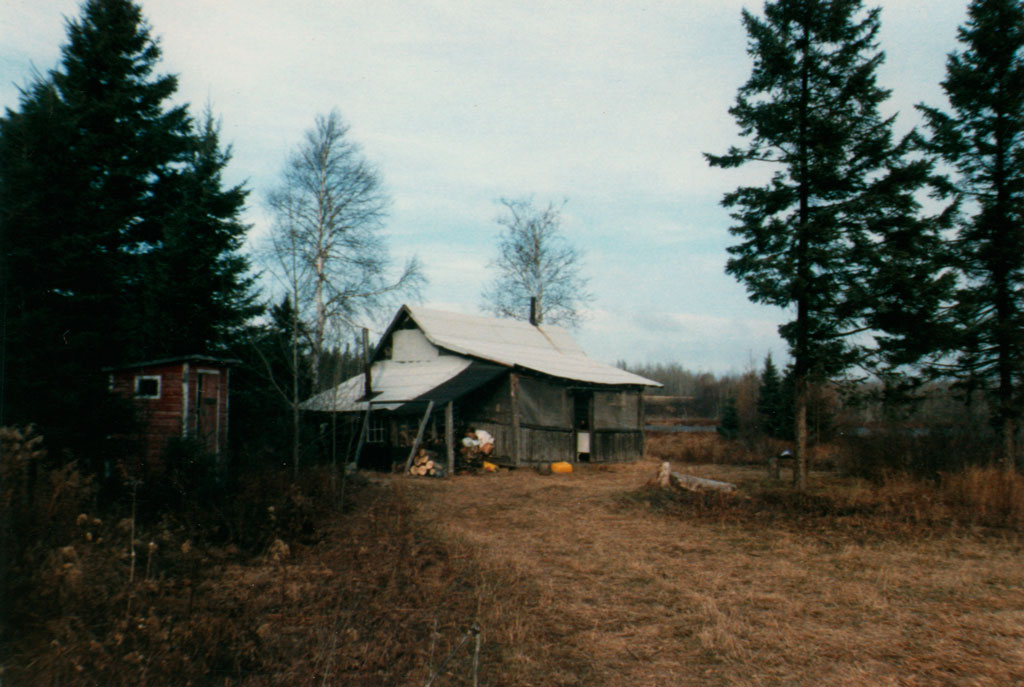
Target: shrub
(923, 452)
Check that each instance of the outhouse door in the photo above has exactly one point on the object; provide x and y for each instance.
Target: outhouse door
(208, 409)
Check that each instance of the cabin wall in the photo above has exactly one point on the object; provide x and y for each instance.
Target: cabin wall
(617, 434)
(616, 446)
(534, 418)
(545, 428)
(160, 418)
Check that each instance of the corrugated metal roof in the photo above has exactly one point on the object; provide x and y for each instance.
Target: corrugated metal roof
(394, 383)
(548, 349)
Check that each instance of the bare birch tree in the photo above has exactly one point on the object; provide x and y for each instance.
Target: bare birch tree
(536, 261)
(328, 241)
(328, 252)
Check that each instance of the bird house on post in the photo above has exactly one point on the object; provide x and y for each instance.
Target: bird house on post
(183, 397)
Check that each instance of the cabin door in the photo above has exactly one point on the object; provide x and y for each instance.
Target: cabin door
(208, 410)
(582, 414)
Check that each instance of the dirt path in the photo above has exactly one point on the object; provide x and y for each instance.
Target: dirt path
(587, 585)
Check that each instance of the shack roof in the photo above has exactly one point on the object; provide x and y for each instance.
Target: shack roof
(473, 350)
(548, 349)
(195, 358)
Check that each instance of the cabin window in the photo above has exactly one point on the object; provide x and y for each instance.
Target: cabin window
(147, 386)
(376, 431)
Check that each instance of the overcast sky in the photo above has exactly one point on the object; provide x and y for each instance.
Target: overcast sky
(609, 105)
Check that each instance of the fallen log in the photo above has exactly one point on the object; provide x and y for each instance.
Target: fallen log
(666, 477)
(692, 483)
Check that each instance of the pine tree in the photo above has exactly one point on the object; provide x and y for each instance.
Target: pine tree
(817, 235)
(982, 138)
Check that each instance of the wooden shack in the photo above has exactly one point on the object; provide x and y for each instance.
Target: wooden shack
(182, 397)
(529, 386)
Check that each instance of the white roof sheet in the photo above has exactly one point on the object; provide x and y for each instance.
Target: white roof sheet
(393, 384)
(547, 349)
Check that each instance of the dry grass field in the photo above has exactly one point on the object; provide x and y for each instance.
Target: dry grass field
(596, 579)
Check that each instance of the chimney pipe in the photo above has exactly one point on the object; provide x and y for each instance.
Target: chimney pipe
(534, 315)
(368, 381)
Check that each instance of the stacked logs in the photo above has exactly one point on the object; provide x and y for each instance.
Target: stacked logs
(425, 464)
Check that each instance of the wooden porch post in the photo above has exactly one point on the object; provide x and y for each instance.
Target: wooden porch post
(362, 433)
(419, 436)
(517, 444)
(449, 435)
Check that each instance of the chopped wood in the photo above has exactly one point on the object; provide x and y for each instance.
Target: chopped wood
(424, 463)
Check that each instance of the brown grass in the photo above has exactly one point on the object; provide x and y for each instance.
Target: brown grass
(594, 578)
(629, 587)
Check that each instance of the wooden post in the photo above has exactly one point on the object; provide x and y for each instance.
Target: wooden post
(362, 433)
(641, 418)
(419, 436)
(517, 444)
(449, 435)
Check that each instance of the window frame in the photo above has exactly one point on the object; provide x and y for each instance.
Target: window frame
(377, 429)
(148, 378)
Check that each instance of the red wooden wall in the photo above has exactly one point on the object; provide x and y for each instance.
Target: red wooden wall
(191, 399)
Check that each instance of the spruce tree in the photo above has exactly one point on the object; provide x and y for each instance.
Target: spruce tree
(192, 289)
(816, 236)
(113, 218)
(982, 138)
(770, 402)
(729, 425)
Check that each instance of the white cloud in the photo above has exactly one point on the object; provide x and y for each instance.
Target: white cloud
(608, 104)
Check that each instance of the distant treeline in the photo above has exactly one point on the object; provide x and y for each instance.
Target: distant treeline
(942, 427)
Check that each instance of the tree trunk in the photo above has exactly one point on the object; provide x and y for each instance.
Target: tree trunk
(800, 432)
(803, 349)
(296, 420)
(1009, 445)
(319, 327)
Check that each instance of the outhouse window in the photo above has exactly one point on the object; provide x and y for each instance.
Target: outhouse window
(147, 386)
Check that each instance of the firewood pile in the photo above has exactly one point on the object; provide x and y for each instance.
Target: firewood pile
(426, 464)
(477, 448)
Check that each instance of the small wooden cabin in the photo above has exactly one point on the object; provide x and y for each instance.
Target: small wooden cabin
(530, 386)
(187, 396)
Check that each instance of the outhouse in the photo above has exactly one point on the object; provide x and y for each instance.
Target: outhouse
(186, 397)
